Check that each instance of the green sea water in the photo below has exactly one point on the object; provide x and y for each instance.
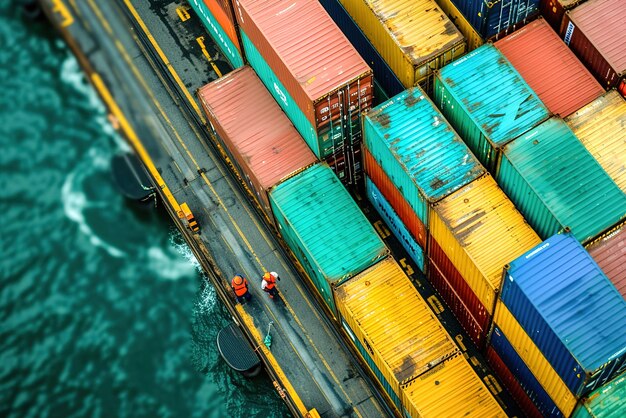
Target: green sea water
(103, 309)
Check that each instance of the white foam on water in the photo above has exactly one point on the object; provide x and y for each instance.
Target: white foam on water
(168, 266)
(72, 74)
(181, 247)
(207, 300)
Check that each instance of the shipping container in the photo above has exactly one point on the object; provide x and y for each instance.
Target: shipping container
(511, 384)
(609, 251)
(497, 18)
(571, 311)
(511, 359)
(595, 32)
(609, 401)
(391, 193)
(479, 230)
(550, 68)
(414, 37)
(536, 362)
(601, 127)
(394, 323)
(451, 389)
(311, 69)
(472, 37)
(555, 182)
(384, 77)
(418, 150)
(260, 140)
(394, 223)
(487, 102)
(325, 229)
(221, 28)
(553, 10)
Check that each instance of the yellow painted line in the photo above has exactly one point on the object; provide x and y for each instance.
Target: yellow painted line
(100, 16)
(165, 60)
(492, 384)
(59, 7)
(381, 229)
(200, 41)
(183, 13)
(436, 304)
(407, 267)
(459, 341)
(133, 138)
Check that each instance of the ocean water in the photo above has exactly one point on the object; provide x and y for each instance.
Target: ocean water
(103, 309)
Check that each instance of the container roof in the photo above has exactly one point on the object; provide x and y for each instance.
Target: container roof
(550, 68)
(610, 254)
(574, 297)
(423, 143)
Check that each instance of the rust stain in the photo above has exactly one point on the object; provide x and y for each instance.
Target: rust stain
(450, 29)
(437, 183)
(383, 119)
(406, 370)
(450, 82)
(411, 99)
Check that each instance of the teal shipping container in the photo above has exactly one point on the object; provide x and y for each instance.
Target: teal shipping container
(609, 401)
(418, 150)
(487, 102)
(555, 182)
(327, 232)
(217, 32)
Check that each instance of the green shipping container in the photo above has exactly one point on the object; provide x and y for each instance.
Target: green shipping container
(487, 102)
(555, 182)
(608, 401)
(327, 232)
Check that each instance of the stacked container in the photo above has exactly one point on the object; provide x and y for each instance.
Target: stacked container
(218, 19)
(325, 229)
(554, 10)
(415, 38)
(562, 320)
(550, 68)
(595, 32)
(556, 183)
(473, 233)
(414, 157)
(601, 127)
(313, 72)
(605, 402)
(488, 103)
(260, 140)
(609, 251)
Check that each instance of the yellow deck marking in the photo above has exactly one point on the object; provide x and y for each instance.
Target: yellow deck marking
(492, 384)
(100, 16)
(200, 41)
(407, 267)
(436, 304)
(165, 60)
(59, 7)
(183, 13)
(381, 229)
(459, 341)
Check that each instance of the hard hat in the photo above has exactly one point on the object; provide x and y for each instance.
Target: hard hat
(238, 279)
(267, 275)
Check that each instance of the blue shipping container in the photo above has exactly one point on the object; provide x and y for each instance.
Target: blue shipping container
(392, 220)
(491, 18)
(522, 373)
(571, 311)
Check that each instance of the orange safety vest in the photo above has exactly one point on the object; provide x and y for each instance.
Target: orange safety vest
(239, 286)
(270, 280)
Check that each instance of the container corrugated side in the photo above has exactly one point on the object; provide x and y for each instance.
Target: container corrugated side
(536, 362)
(227, 46)
(511, 359)
(414, 37)
(222, 11)
(394, 323)
(418, 150)
(480, 231)
(605, 402)
(487, 102)
(451, 389)
(555, 182)
(260, 139)
(553, 10)
(472, 37)
(396, 225)
(609, 251)
(601, 127)
(327, 232)
(550, 68)
(511, 384)
(571, 311)
(595, 32)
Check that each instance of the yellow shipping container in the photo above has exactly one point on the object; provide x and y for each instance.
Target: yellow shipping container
(452, 389)
(601, 127)
(393, 323)
(547, 377)
(473, 38)
(480, 230)
(414, 37)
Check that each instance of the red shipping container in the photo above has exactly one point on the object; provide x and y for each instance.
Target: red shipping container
(596, 32)
(550, 68)
(264, 144)
(457, 294)
(511, 384)
(402, 208)
(610, 253)
(553, 10)
(310, 55)
(222, 11)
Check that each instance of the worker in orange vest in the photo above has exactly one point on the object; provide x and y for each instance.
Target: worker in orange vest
(269, 283)
(240, 287)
